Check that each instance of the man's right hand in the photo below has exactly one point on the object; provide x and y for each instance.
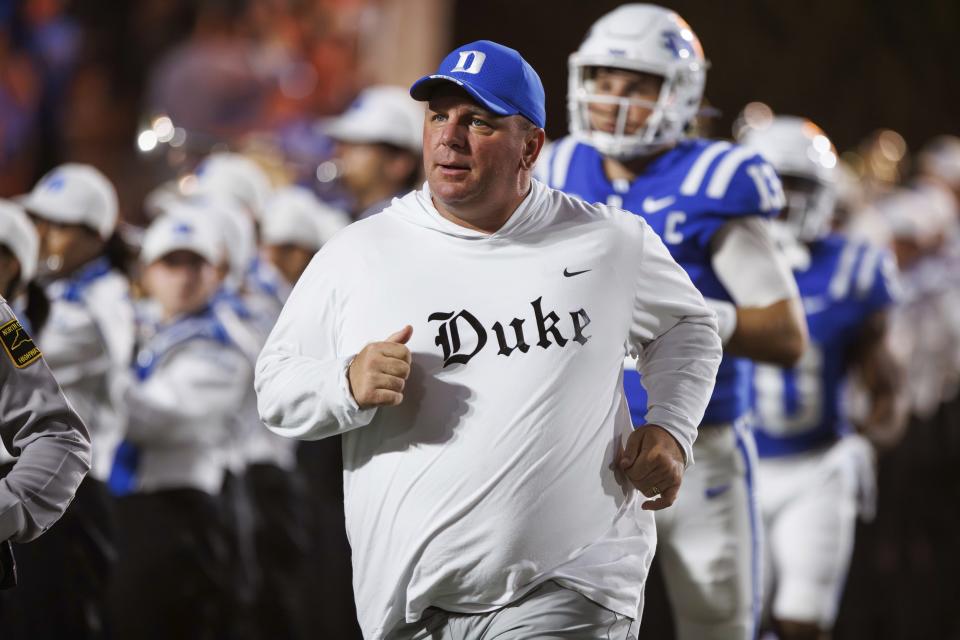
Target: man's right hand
(378, 373)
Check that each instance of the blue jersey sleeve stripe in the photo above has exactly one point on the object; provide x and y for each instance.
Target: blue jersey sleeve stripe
(841, 280)
(691, 184)
(542, 170)
(561, 162)
(725, 171)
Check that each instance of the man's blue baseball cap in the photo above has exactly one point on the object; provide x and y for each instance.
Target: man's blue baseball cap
(496, 76)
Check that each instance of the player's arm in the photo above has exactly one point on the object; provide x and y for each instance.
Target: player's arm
(675, 334)
(38, 425)
(305, 388)
(879, 378)
(766, 321)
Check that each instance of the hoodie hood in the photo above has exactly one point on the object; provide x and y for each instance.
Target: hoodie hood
(417, 208)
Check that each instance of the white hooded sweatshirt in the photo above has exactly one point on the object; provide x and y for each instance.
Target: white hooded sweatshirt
(494, 474)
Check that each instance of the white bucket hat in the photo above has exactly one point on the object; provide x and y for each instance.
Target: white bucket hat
(296, 216)
(381, 114)
(19, 236)
(236, 177)
(181, 229)
(75, 194)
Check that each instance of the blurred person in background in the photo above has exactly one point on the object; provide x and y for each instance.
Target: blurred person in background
(50, 445)
(919, 222)
(926, 335)
(636, 84)
(379, 141)
(218, 210)
(232, 191)
(939, 172)
(938, 166)
(238, 190)
(816, 454)
(86, 340)
(19, 251)
(174, 576)
(234, 177)
(49, 442)
(295, 226)
(46, 447)
(248, 303)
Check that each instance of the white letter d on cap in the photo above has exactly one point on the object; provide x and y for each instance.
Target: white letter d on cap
(475, 63)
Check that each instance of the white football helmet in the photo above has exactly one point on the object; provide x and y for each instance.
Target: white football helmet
(806, 162)
(941, 158)
(647, 38)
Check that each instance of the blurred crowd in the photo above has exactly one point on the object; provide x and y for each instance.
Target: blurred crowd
(150, 289)
(80, 81)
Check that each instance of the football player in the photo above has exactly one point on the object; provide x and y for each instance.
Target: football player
(174, 569)
(635, 87)
(810, 458)
(87, 338)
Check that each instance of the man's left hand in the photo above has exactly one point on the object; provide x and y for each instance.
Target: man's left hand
(654, 462)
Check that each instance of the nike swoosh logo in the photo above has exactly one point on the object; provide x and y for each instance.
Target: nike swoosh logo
(713, 492)
(652, 205)
(569, 274)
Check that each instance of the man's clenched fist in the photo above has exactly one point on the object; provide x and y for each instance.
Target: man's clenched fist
(653, 461)
(379, 371)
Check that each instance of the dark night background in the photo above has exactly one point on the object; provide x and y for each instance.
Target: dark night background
(852, 66)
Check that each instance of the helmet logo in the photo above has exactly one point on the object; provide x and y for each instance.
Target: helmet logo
(356, 104)
(475, 58)
(677, 44)
(54, 183)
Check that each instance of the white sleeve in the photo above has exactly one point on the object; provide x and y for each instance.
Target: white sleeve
(199, 381)
(109, 304)
(301, 381)
(675, 335)
(749, 264)
(38, 425)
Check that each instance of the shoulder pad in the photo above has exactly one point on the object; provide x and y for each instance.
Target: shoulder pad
(736, 179)
(557, 163)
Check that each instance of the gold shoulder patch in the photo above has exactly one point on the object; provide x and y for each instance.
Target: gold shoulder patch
(18, 345)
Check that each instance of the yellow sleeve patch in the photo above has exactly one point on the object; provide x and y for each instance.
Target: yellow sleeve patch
(18, 345)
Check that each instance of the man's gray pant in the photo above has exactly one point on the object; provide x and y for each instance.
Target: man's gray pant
(549, 612)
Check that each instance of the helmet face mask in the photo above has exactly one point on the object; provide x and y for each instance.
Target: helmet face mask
(805, 161)
(810, 205)
(643, 39)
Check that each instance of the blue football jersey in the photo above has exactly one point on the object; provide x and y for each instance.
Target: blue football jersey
(686, 195)
(799, 408)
